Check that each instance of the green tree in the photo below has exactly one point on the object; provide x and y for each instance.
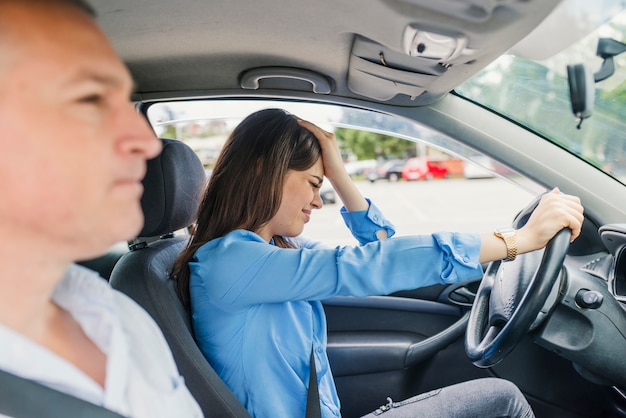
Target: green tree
(169, 131)
(368, 145)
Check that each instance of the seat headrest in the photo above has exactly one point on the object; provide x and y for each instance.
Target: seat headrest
(173, 187)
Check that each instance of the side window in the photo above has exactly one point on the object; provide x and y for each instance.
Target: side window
(422, 186)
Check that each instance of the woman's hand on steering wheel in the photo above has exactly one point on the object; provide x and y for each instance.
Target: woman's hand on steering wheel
(554, 212)
(511, 295)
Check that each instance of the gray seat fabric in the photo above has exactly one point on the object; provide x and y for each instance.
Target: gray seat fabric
(104, 264)
(173, 187)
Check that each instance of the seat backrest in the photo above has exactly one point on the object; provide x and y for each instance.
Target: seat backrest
(172, 189)
(104, 263)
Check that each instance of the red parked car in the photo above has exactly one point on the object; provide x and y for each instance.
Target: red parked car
(422, 168)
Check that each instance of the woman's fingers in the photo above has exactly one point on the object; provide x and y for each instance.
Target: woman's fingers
(333, 163)
(556, 211)
(571, 211)
(319, 133)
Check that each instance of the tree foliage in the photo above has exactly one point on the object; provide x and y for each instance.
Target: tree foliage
(368, 145)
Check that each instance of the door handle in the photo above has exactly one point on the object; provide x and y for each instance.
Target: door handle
(462, 295)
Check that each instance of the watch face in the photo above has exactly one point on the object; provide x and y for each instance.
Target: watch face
(505, 231)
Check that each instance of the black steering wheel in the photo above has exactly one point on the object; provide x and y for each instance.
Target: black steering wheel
(511, 295)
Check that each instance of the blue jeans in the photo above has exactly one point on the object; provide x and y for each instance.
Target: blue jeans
(480, 398)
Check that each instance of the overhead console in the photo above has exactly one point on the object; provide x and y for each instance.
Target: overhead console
(441, 44)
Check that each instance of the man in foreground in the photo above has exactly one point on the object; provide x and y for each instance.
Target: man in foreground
(73, 156)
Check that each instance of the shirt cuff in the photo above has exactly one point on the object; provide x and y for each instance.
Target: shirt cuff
(366, 223)
(461, 256)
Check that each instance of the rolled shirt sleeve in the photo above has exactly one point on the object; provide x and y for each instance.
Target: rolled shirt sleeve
(365, 224)
(241, 269)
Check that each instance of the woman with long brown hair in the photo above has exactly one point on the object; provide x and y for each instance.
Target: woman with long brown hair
(255, 285)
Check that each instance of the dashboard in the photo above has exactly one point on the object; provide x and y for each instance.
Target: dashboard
(587, 324)
(613, 266)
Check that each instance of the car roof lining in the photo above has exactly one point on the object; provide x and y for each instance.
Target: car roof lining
(191, 45)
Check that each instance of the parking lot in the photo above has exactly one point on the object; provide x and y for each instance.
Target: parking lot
(423, 207)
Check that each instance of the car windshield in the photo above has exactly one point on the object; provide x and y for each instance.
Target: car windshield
(530, 84)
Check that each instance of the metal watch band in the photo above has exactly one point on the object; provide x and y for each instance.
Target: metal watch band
(508, 235)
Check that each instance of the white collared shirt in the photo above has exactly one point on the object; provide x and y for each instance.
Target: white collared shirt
(141, 377)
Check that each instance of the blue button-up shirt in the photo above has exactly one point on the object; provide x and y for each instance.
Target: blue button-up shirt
(257, 312)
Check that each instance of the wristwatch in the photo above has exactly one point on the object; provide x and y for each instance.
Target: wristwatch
(508, 235)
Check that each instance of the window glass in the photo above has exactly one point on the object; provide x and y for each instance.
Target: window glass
(535, 93)
(422, 181)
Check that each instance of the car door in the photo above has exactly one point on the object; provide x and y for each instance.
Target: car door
(389, 346)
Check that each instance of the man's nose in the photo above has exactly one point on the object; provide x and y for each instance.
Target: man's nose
(139, 138)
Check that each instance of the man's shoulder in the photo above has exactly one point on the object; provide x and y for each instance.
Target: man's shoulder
(86, 286)
(139, 328)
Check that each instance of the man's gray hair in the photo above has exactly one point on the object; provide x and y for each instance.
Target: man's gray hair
(84, 6)
(79, 4)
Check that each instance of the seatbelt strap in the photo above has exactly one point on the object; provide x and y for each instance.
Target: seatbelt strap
(23, 398)
(313, 409)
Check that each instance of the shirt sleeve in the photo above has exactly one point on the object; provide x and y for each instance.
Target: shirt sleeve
(365, 224)
(240, 269)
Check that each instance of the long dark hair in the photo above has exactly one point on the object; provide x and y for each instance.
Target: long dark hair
(245, 189)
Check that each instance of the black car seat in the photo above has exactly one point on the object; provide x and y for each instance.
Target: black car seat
(104, 264)
(172, 188)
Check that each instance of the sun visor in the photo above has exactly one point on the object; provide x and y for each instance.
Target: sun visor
(381, 73)
(441, 44)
